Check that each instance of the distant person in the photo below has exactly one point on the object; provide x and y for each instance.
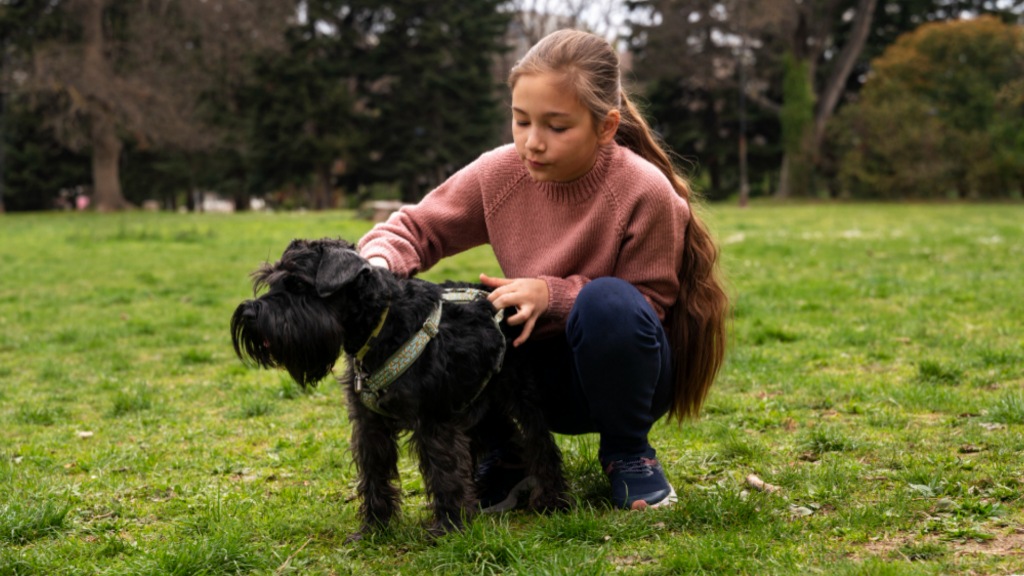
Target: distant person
(612, 275)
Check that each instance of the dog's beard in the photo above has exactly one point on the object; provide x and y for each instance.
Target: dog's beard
(287, 331)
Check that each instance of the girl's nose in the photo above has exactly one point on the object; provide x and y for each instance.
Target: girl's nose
(534, 142)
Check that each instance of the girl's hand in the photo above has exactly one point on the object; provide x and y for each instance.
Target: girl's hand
(529, 296)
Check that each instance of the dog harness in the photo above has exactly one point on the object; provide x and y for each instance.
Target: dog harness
(370, 388)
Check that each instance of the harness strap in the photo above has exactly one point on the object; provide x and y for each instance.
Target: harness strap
(373, 335)
(371, 389)
(466, 295)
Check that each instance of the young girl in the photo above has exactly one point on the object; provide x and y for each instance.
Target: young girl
(612, 275)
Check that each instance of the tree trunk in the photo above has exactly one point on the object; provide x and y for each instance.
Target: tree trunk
(241, 200)
(798, 166)
(845, 62)
(744, 177)
(106, 156)
(106, 144)
(797, 119)
(2, 134)
(323, 192)
(782, 192)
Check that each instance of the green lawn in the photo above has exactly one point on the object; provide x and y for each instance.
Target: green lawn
(875, 374)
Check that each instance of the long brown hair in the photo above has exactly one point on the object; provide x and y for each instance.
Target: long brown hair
(696, 323)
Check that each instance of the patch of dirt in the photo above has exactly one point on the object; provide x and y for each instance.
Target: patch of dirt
(1011, 544)
(632, 560)
(1002, 545)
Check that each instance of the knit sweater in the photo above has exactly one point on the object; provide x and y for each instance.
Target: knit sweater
(621, 219)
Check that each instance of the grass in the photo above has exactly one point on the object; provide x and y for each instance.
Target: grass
(875, 374)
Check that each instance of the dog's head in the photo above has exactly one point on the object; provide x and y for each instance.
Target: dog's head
(295, 324)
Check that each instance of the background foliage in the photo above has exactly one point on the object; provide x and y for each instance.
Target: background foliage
(935, 119)
(324, 104)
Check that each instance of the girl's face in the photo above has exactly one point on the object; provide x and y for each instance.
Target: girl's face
(553, 132)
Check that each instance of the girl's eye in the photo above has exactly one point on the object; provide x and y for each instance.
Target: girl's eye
(522, 123)
(559, 129)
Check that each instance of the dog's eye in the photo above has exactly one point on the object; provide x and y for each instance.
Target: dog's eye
(295, 285)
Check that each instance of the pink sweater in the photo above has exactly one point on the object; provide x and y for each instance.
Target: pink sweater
(621, 219)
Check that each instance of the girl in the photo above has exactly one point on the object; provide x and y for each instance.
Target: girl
(613, 277)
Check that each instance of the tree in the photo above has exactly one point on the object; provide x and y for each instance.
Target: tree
(535, 19)
(37, 169)
(131, 71)
(799, 124)
(370, 92)
(302, 108)
(432, 96)
(689, 73)
(837, 39)
(811, 31)
(941, 115)
(20, 22)
(780, 43)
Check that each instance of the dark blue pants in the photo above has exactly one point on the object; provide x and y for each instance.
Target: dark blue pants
(612, 371)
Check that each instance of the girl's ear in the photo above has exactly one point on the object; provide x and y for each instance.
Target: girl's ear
(609, 127)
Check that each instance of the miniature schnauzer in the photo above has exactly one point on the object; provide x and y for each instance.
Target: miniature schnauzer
(421, 357)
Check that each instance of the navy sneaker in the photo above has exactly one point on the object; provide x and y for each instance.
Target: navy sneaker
(639, 483)
(502, 483)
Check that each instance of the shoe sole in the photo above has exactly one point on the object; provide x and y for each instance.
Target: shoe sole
(511, 501)
(665, 502)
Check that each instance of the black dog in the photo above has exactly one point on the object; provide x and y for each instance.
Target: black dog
(453, 375)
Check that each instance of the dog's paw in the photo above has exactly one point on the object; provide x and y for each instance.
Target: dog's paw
(364, 532)
(549, 501)
(439, 528)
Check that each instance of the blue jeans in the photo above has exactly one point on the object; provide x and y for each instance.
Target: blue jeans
(611, 373)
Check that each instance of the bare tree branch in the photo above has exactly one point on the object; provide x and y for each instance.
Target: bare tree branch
(142, 80)
(845, 62)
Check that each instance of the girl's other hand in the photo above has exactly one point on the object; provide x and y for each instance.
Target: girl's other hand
(529, 296)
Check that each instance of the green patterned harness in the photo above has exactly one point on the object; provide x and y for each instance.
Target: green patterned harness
(371, 388)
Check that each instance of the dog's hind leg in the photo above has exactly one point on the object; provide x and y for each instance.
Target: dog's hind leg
(375, 447)
(543, 459)
(446, 464)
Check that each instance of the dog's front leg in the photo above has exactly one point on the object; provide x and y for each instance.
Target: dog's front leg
(446, 464)
(375, 447)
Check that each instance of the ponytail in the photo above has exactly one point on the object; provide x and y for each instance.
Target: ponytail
(696, 323)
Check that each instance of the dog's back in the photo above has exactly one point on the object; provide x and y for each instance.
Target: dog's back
(454, 367)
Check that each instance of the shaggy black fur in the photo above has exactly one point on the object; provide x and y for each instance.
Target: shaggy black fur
(323, 300)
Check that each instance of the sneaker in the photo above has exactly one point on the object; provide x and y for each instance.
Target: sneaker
(502, 483)
(639, 483)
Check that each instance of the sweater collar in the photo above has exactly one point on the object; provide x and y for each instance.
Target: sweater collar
(587, 185)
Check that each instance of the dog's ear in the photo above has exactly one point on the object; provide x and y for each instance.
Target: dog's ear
(339, 265)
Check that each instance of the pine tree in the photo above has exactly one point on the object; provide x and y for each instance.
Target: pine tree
(435, 100)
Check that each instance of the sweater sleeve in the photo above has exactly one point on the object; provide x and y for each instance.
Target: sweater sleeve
(562, 294)
(449, 220)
